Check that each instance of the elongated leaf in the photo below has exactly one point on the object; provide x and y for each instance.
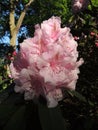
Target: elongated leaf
(6, 111)
(80, 97)
(51, 118)
(17, 121)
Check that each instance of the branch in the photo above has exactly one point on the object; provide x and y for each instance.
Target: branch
(21, 18)
(14, 28)
(28, 4)
(11, 17)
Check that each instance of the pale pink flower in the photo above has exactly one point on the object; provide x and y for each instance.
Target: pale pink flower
(78, 5)
(76, 38)
(92, 33)
(96, 44)
(47, 63)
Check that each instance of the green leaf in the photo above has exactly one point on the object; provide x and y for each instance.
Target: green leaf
(80, 97)
(95, 2)
(51, 118)
(6, 111)
(26, 1)
(17, 121)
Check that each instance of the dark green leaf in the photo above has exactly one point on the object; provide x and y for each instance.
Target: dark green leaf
(51, 118)
(17, 120)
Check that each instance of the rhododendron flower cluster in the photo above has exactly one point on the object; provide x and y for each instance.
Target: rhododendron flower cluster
(47, 63)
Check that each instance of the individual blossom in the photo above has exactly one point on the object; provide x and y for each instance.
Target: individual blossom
(10, 56)
(96, 44)
(92, 33)
(47, 63)
(78, 5)
(76, 38)
(96, 35)
(14, 53)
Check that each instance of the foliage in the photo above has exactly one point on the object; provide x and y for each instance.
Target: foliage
(95, 3)
(37, 12)
(43, 10)
(5, 57)
(80, 107)
(84, 27)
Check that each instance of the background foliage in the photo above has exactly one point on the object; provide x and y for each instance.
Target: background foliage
(79, 108)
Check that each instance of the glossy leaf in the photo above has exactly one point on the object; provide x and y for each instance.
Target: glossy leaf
(17, 120)
(51, 118)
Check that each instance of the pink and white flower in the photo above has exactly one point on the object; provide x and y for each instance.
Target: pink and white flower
(78, 5)
(47, 63)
